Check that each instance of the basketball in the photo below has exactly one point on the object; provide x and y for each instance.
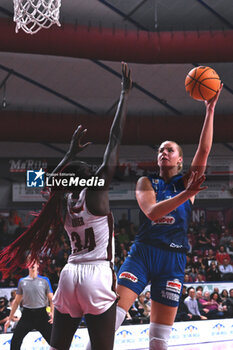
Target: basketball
(202, 83)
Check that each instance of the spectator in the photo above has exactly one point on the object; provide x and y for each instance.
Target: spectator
(16, 317)
(210, 303)
(184, 293)
(147, 298)
(202, 309)
(229, 304)
(4, 313)
(199, 288)
(123, 236)
(198, 263)
(214, 240)
(213, 273)
(210, 256)
(136, 312)
(122, 251)
(187, 278)
(203, 242)
(183, 313)
(229, 249)
(224, 295)
(191, 303)
(225, 238)
(193, 228)
(146, 308)
(217, 305)
(189, 265)
(221, 255)
(191, 241)
(193, 274)
(202, 223)
(226, 270)
(200, 278)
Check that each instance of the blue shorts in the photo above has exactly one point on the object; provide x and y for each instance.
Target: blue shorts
(164, 269)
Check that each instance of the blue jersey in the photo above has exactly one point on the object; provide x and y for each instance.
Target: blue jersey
(170, 231)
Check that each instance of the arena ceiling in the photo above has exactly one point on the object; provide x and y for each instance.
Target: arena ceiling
(60, 77)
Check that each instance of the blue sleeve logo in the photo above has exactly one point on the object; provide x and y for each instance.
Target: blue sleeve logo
(35, 178)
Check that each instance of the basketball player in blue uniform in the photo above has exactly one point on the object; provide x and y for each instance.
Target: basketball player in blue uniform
(158, 255)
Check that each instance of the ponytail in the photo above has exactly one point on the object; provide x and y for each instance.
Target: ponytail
(37, 241)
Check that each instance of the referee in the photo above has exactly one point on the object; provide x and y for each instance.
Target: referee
(34, 291)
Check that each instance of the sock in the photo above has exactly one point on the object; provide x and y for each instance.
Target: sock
(158, 336)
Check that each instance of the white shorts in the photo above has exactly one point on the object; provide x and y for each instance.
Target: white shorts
(85, 289)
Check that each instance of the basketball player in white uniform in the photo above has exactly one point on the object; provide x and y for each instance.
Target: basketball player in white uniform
(87, 282)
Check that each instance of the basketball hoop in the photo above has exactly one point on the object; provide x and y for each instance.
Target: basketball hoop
(32, 15)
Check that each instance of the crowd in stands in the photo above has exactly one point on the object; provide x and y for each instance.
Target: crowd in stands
(197, 304)
(210, 259)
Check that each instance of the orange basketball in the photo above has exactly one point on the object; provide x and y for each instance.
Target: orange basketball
(202, 83)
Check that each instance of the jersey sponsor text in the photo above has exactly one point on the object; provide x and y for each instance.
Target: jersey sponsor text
(165, 220)
(128, 276)
(174, 286)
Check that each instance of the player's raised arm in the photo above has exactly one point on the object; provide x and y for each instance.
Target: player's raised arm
(206, 138)
(199, 161)
(107, 169)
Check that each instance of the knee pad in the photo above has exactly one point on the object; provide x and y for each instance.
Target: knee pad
(158, 336)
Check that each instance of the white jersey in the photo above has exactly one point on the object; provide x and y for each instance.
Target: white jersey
(91, 237)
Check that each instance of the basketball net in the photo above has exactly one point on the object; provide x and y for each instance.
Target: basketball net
(33, 15)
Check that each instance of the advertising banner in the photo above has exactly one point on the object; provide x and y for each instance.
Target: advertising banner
(137, 336)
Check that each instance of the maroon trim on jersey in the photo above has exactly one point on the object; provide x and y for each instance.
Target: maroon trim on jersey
(110, 227)
(114, 280)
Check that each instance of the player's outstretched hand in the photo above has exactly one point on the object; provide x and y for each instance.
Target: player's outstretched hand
(194, 184)
(76, 145)
(126, 81)
(212, 103)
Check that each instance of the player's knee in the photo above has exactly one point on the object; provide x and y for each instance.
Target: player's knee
(158, 336)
